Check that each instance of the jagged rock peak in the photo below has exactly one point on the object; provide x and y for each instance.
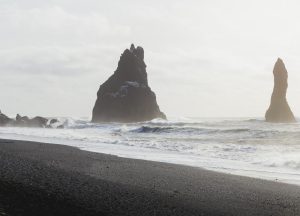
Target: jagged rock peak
(138, 52)
(279, 110)
(126, 95)
(132, 48)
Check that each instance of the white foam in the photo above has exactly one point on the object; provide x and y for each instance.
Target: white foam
(250, 148)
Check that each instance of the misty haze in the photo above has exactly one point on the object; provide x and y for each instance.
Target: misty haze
(149, 107)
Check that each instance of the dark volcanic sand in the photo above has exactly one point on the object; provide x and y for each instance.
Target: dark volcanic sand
(45, 179)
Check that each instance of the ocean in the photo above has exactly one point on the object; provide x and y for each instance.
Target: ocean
(240, 146)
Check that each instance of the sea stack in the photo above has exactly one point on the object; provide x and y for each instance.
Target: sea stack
(279, 110)
(126, 95)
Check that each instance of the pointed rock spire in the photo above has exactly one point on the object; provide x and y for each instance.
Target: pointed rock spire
(132, 48)
(126, 95)
(279, 110)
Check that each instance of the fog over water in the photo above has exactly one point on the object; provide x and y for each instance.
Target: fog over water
(205, 58)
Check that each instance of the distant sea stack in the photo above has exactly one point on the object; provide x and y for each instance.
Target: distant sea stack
(279, 110)
(126, 95)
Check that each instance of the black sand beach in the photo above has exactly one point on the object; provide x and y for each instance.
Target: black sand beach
(44, 179)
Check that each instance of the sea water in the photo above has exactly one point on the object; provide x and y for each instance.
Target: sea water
(249, 147)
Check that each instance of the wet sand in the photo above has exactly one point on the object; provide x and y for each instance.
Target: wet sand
(47, 179)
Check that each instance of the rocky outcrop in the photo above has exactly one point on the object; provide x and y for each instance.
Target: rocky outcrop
(279, 110)
(126, 95)
(34, 122)
(24, 121)
(4, 120)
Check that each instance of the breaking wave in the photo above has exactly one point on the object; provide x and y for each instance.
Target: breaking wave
(240, 146)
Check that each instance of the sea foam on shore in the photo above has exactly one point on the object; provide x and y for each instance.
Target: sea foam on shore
(237, 146)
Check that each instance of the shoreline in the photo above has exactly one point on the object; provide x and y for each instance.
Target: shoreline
(58, 179)
(148, 155)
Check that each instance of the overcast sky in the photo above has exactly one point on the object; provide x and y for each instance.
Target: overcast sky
(205, 57)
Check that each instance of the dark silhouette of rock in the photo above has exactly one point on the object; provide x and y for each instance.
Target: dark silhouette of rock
(53, 121)
(38, 122)
(4, 120)
(24, 121)
(20, 118)
(279, 110)
(126, 95)
(21, 121)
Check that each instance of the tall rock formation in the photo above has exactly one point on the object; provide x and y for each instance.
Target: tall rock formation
(279, 110)
(126, 95)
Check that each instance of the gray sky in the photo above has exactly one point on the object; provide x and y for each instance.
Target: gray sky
(205, 57)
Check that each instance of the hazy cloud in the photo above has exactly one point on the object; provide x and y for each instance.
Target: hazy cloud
(201, 55)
